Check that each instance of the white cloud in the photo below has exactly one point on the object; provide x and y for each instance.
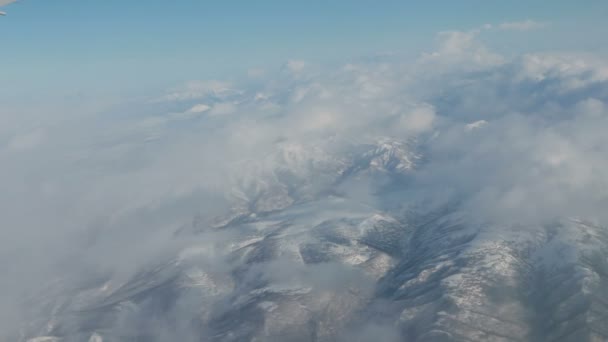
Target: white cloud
(526, 25)
(456, 42)
(101, 176)
(6, 2)
(222, 108)
(199, 108)
(27, 140)
(199, 89)
(475, 125)
(295, 65)
(463, 49)
(419, 120)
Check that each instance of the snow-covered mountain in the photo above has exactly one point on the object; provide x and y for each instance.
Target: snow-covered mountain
(301, 261)
(458, 197)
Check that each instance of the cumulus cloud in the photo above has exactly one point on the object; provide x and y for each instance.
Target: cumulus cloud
(295, 65)
(462, 48)
(419, 120)
(96, 199)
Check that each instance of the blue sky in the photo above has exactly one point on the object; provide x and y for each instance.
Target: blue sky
(78, 45)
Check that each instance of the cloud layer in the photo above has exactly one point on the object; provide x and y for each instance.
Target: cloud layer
(101, 195)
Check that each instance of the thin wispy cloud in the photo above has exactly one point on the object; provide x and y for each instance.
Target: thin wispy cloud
(7, 2)
(526, 25)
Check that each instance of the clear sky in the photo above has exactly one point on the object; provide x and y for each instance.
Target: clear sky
(71, 45)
